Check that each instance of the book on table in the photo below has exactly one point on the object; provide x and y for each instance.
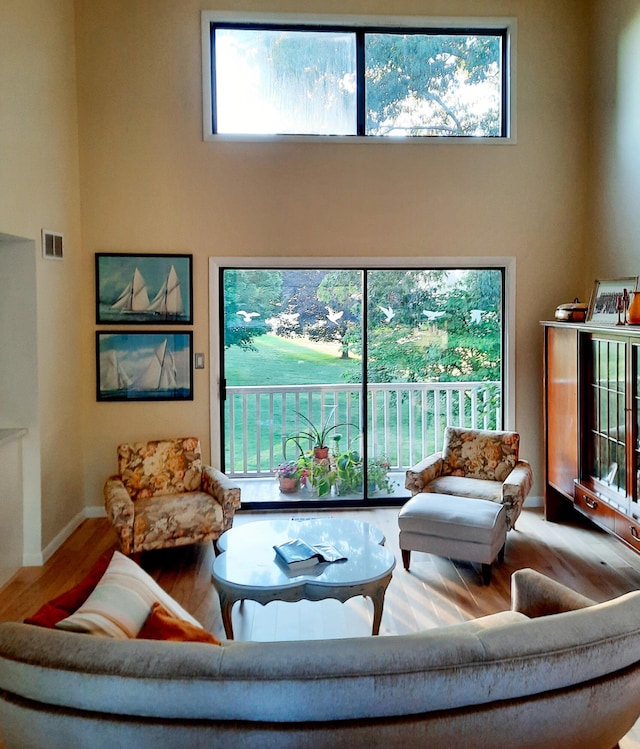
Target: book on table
(298, 554)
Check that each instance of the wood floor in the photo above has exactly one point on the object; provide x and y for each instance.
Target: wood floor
(436, 591)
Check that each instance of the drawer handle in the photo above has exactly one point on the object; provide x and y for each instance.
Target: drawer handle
(634, 533)
(591, 503)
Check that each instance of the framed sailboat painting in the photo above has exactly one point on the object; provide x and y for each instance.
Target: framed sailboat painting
(143, 289)
(144, 366)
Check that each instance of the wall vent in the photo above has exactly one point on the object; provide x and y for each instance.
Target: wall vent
(52, 242)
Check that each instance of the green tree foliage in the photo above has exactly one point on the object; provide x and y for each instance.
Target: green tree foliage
(434, 326)
(421, 84)
(423, 325)
(250, 297)
(341, 293)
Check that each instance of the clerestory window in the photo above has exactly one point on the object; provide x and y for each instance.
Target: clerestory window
(377, 82)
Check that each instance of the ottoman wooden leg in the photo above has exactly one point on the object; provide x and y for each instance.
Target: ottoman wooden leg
(486, 574)
(501, 553)
(406, 558)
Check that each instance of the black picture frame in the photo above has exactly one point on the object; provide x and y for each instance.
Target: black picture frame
(144, 365)
(143, 289)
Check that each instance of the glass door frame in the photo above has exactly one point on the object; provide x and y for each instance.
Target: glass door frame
(506, 264)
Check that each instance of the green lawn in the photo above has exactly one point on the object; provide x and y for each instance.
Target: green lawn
(286, 361)
(265, 421)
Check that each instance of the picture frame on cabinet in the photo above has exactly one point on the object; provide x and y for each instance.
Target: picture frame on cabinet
(143, 289)
(144, 366)
(603, 304)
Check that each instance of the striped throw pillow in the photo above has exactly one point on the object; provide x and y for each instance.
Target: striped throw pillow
(121, 602)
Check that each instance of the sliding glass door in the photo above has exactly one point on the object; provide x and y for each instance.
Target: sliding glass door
(371, 364)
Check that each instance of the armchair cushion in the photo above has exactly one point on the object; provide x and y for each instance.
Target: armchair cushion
(178, 518)
(160, 467)
(479, 453)
(461, 486)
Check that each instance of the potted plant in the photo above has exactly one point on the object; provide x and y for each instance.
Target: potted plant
(316, 437)
(377, 478)
(288, 475)
(348, 466)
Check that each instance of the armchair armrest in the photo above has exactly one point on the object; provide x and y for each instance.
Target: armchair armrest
(223, 490)
(515, 489)
(120, 511)
(534, 594)
(419, 475)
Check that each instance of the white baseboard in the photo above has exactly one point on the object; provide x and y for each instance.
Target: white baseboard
(534, 502)
(37, 560)
(97, 511)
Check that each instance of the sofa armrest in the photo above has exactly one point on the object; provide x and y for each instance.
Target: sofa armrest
(223, 490)
(120, 511)
(515, 489)
(419, 475)
(534, 594)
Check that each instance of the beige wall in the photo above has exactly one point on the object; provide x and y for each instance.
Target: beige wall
(614, 251)
(39, 188)
(150, 183)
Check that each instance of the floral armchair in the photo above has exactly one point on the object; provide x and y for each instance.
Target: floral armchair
(479, 464)
(163, 496)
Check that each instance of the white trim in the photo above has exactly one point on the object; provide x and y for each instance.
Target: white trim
(509, 23)
(509, 322)
(37, 560)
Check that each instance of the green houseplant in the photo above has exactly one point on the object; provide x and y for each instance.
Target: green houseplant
(348, 466)
(377, 475)
(316, 436)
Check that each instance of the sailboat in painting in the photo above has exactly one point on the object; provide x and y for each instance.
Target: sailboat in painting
(160, 373)
(144, 366)
(134, 298)
(168, 301)
(113, 378)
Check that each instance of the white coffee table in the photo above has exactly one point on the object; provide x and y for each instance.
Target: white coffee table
(247, 569)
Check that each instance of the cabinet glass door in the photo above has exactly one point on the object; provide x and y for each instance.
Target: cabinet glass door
(607, 453)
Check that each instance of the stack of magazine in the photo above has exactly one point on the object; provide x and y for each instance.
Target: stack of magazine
(298, 554)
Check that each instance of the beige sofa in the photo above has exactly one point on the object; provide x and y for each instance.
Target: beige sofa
(554, 671)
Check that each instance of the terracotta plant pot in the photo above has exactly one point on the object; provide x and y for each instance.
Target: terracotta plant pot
(289, 484)
(320, 453)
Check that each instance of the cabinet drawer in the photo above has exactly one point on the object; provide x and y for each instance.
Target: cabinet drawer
(592, 505)
(629, 530)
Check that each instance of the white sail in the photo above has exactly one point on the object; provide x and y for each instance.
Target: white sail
(134, 298)
(112, 376)
(160, 373)
(168, 301)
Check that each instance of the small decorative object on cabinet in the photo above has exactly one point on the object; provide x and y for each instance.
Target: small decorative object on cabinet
(633, 315)
(592, 424)
(575, 311)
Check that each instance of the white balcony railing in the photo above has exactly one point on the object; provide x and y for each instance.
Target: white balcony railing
(406, 421)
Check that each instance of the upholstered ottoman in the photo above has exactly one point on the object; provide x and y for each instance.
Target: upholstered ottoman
(456, 527)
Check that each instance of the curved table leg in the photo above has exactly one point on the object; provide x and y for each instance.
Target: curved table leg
(377, 596)
(226, 604)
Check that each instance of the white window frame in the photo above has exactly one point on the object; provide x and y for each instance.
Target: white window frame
(508, 323)
(510, 24)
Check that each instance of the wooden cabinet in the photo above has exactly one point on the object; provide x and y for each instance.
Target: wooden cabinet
(592, 423)
(561, 416)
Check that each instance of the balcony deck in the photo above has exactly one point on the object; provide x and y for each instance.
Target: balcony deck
(264, 494)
